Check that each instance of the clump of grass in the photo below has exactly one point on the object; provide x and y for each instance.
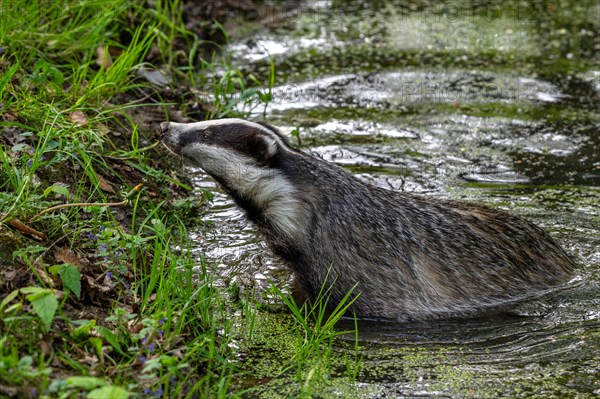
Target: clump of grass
(303, 352)
(316, 322)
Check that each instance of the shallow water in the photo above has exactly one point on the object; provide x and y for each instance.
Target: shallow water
(493, 102)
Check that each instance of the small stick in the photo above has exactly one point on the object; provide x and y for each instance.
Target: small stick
(23, 228)
(128, 197)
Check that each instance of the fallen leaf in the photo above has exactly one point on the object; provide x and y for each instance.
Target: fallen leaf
(178, 354)
(92, 289)
(158, 78)
(134, 327)
(89, 359)
(104, 59)
(102, 129)
(108, 282)
(79, 118)
(45, 346)
(7, 391)
(9, 117)
(66, 255)
(104, 185)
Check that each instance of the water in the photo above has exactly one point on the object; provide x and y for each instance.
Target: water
(493, 102)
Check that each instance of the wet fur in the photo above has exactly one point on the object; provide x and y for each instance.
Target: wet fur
(411, 257)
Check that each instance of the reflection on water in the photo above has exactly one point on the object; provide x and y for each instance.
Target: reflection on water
(493, 102)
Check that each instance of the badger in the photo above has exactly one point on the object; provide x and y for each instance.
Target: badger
(406, 257)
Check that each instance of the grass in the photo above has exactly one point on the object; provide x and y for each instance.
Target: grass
(102, 300)
(302, 353)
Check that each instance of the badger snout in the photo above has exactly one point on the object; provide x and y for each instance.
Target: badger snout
(164, 128)
(170, 137)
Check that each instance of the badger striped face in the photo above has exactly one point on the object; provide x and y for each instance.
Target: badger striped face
(243, 157)
(245, 141)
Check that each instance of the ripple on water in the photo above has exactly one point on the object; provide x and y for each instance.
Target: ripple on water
(423, 111)
(401, 88)
(545, 345)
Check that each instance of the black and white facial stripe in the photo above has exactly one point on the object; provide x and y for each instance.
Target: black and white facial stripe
(259, 141)
(244, 158)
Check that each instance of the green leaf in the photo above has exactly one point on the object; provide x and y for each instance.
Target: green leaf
(84, 329)
(86, 383)
(8, 298)
(7, 77)
(58, 189)
(40, 66)
(51, 145)
(25, 362)
(14, 308)
(111, 392)
(71, 278)
(109, 336)
(248, 94)
(33, 290)
(44, 304)
(169, 361)
(28, 251)
(97, 344)
(55, 75)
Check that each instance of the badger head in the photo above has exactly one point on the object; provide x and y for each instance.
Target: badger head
(213, 145)
(246, 158)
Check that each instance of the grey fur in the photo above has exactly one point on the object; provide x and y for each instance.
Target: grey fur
(411, 257)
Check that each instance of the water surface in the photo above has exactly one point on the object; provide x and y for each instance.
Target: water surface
(491, 102)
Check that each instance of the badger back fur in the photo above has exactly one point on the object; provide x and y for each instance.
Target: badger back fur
(410, 257)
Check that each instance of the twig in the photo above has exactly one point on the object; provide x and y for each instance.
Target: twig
(23, 228)
(129, 196)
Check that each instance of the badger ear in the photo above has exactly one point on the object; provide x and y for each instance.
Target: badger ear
(275, 130)
(263, 148)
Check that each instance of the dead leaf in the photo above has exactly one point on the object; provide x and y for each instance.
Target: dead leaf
(104, 59)
(66, 255)
(134, 328)
(44, 277)
(79, 118)
(89, 359)
(178, 354)
(108, 282)
(59, 294)
(9, 117)
(104, 185)
(92, 289)
(45, 346)
(158, 78)
(102, 129)
(8, 391)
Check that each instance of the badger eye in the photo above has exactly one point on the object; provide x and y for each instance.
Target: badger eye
(205, 136)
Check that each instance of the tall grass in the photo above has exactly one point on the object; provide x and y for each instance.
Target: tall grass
(57, 94)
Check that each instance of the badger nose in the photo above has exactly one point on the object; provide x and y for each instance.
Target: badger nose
(164, 128)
